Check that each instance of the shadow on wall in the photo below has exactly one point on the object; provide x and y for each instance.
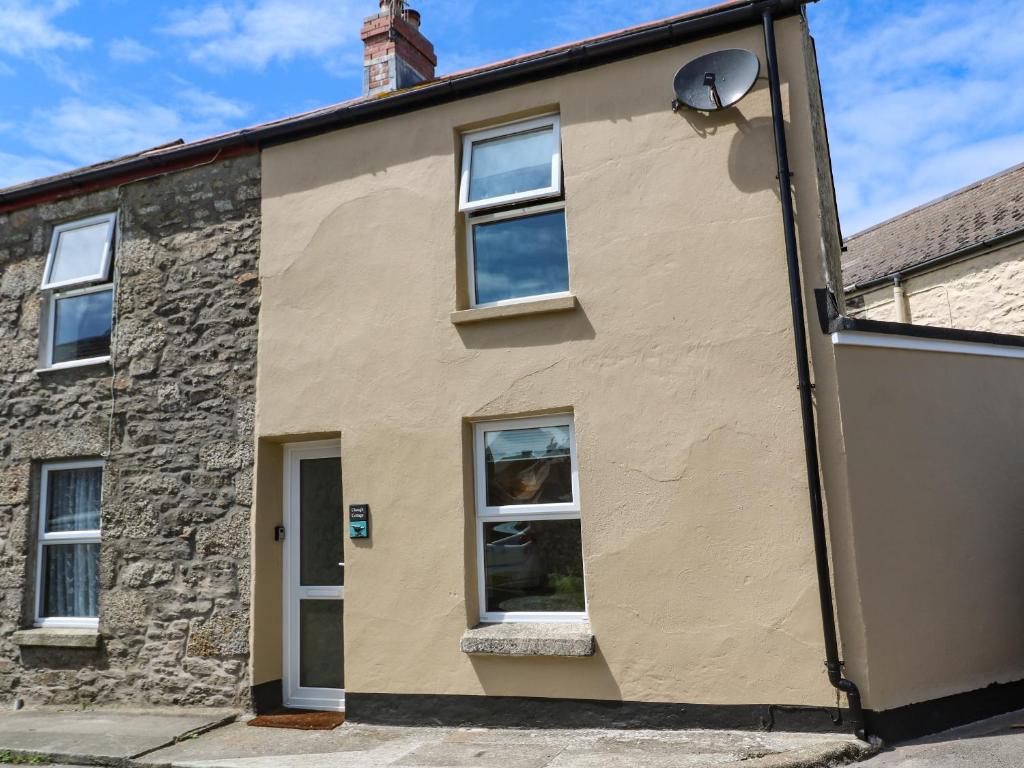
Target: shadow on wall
(40, 658)
(752, 166)
(571, 678)
(535, 331)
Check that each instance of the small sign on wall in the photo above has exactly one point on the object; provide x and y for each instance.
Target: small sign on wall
(359, 521)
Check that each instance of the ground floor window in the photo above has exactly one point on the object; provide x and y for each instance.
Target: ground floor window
(67, 581)
(529, 548)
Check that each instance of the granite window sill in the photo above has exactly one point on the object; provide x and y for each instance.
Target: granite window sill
(522, 309)
(529, 639)
(53, 637)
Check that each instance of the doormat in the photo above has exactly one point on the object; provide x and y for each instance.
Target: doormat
(300, 720)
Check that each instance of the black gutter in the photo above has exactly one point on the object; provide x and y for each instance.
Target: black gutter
(936, 261)
(570, 59)
(833, 322)
(828, 620)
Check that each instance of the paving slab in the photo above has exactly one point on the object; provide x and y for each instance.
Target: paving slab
(362, 746)
(100, 737)
(994, 743)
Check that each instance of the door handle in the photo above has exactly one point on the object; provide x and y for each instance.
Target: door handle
(341, 564)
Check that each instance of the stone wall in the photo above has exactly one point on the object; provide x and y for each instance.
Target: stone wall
(173, 417)
(983, 293)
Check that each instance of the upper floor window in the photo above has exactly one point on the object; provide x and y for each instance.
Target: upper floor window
(67, 585)
(80, 252)
(79, 305)
(511, 193)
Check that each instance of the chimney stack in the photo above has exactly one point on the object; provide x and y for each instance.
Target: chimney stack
(395, 53)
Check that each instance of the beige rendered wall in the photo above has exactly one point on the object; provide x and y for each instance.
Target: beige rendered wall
(983, 293)
(934, 444)
(678, 365)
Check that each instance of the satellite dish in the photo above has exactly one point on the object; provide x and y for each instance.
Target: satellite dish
(716, 80)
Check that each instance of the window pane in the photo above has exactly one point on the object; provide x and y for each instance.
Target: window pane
(320, 537)
(320, 644)
(533, 566)
(511, 164)
(528, 466)
(80, 252)
(82, 326)
(70, 580)
(515, 258)
(73, 499)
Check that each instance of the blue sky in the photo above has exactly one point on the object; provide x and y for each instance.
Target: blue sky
(922, 96)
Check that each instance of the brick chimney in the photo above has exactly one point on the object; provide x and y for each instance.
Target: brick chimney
(395, 55)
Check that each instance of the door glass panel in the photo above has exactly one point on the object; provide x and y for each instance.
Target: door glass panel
(320, 644)
(321, 524)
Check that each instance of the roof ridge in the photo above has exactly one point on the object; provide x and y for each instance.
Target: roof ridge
(573, 56)
(937, 200)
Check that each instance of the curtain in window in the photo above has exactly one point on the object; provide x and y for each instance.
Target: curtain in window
(70, 570)
(72, 588)
(74, 500)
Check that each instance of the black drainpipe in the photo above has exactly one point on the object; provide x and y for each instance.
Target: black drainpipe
(828, 619)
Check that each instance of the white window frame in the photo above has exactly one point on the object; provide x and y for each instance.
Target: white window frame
(554, 189)
(50, 328)
(516, 213)
(108, 250)
(524, 512)
(66, 537)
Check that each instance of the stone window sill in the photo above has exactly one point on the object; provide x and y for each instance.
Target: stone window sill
(539, 307)
(529, 639)
(52, 637)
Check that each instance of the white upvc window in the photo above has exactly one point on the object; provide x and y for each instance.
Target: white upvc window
(511, 194)
(511, 164)
(529, 537)
(78, 293)
(80, 252)
(68, 549)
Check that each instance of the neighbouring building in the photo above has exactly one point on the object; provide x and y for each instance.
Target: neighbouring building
(155, 419)
(518, 436)
(956, 262)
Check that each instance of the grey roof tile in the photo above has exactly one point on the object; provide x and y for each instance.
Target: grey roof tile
(972, 216)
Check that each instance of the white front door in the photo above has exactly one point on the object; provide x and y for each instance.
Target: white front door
(314, 577)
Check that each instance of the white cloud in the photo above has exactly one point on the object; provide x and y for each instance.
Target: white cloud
(207, 106)
(86, 132)
(18, 168)
(919, 101)
(82, 132)
(255, 33)
(27, 27)
(579, 19)
(208, 21)
(129, 51)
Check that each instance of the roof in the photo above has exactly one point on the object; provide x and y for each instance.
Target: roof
(968, 219)
(503, 74)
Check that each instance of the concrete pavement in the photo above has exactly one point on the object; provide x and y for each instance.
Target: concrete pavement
(351, 746)
(105, 736)
(995, 743)
(200, 740)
